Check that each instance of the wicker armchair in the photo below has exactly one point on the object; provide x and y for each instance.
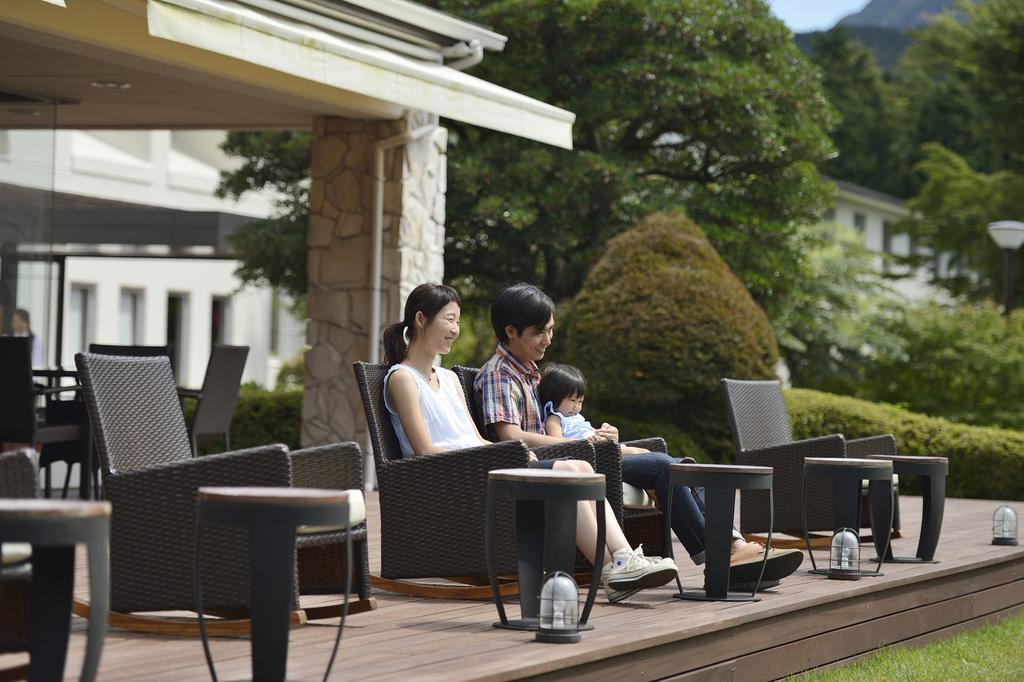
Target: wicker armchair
(763, 436)
(18, 478)
(641, 526)
(151, 479)
(433, 508)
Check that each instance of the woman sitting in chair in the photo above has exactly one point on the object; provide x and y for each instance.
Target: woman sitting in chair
(429, 413)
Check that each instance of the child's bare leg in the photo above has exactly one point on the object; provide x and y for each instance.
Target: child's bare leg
(586, 519)
(630, 450)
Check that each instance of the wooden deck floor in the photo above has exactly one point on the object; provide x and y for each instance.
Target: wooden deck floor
(806, 622)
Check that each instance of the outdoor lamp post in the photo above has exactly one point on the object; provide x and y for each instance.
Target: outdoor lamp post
(559, 609)
(1004, 526)
(1008, 235)
(844, 558)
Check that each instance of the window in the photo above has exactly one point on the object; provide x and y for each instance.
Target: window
(130, 318)
(860, 221)
(78, 330)
(177, 318)
(219, 309)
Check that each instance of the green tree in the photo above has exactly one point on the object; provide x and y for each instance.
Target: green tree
(868, 137)
(703, 105)
(828, 332)
(272, 251)
(971, 61)
(951, 214)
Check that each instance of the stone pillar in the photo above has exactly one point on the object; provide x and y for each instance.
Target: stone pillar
(340, 243)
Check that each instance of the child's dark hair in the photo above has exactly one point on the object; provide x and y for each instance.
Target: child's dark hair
(560, 382)
(428, 299)
(520, 305)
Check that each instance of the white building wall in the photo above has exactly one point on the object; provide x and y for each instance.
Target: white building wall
(876, 211)
(248, 312)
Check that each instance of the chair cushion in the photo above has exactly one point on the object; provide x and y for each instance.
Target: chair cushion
(357, 515)
(636, 498)
(15, 552)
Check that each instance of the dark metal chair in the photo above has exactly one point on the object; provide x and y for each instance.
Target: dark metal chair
(215, 403)
(646, 526)
(763, 436)
(151, 478)
(18, 479)
(59, 432)
(433, 508)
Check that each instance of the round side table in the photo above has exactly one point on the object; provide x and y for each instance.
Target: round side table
(53, 528)
(545, 533)
(720, 483)
(846, 475)
(270, 517)
(933, 470)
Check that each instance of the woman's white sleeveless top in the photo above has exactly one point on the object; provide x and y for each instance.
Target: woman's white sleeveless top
(443, 410)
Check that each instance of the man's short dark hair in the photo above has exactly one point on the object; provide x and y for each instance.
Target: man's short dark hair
(520, 305)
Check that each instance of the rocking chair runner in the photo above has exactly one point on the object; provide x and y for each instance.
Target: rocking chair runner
(433, 508)
(763, 437)
(151, 479)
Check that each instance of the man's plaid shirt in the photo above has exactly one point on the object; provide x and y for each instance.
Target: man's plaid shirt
(506, 390)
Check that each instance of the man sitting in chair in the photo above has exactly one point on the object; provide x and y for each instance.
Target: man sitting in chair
(506, 388)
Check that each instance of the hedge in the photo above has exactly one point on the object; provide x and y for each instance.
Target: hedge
(984, 462)
(261, 417)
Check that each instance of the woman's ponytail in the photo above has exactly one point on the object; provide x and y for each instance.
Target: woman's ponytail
(395, 346)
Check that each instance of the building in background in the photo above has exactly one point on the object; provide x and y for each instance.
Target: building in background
(139, 248)
(874, 215)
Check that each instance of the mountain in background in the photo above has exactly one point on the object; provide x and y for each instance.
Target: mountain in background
(887, 44)
(898, 14)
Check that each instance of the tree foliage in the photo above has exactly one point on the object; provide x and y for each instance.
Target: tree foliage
(707, 106)
(964, 363)
(871, 147)
(828, 331)
(272, 251)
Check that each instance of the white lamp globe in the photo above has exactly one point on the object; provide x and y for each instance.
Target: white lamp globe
(1007, 234)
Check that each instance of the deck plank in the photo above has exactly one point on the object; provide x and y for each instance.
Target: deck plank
(807, 621)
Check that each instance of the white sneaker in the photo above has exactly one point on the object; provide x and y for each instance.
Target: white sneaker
(631, 570)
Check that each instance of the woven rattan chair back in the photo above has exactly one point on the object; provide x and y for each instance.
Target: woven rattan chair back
(134, 410)
(467, 376)
(220, 393)
(129, 351)
(19, 476)
(382, 434)
(17, 401)
(757, 414)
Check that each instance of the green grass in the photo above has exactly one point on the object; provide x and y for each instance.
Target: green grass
(993, 652)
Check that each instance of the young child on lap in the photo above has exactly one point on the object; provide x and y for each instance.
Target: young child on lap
(561, 392)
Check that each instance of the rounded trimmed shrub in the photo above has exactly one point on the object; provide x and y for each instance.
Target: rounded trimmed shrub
(659, 321)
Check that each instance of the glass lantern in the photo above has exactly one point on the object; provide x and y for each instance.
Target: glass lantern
(559, 609)
(844, 558)
(1004, 526)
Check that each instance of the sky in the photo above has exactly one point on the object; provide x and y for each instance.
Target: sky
(813, 15)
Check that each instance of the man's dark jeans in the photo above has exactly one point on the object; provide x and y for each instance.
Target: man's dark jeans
(650, 471)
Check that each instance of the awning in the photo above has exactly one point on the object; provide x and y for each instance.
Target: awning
(234, 30)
